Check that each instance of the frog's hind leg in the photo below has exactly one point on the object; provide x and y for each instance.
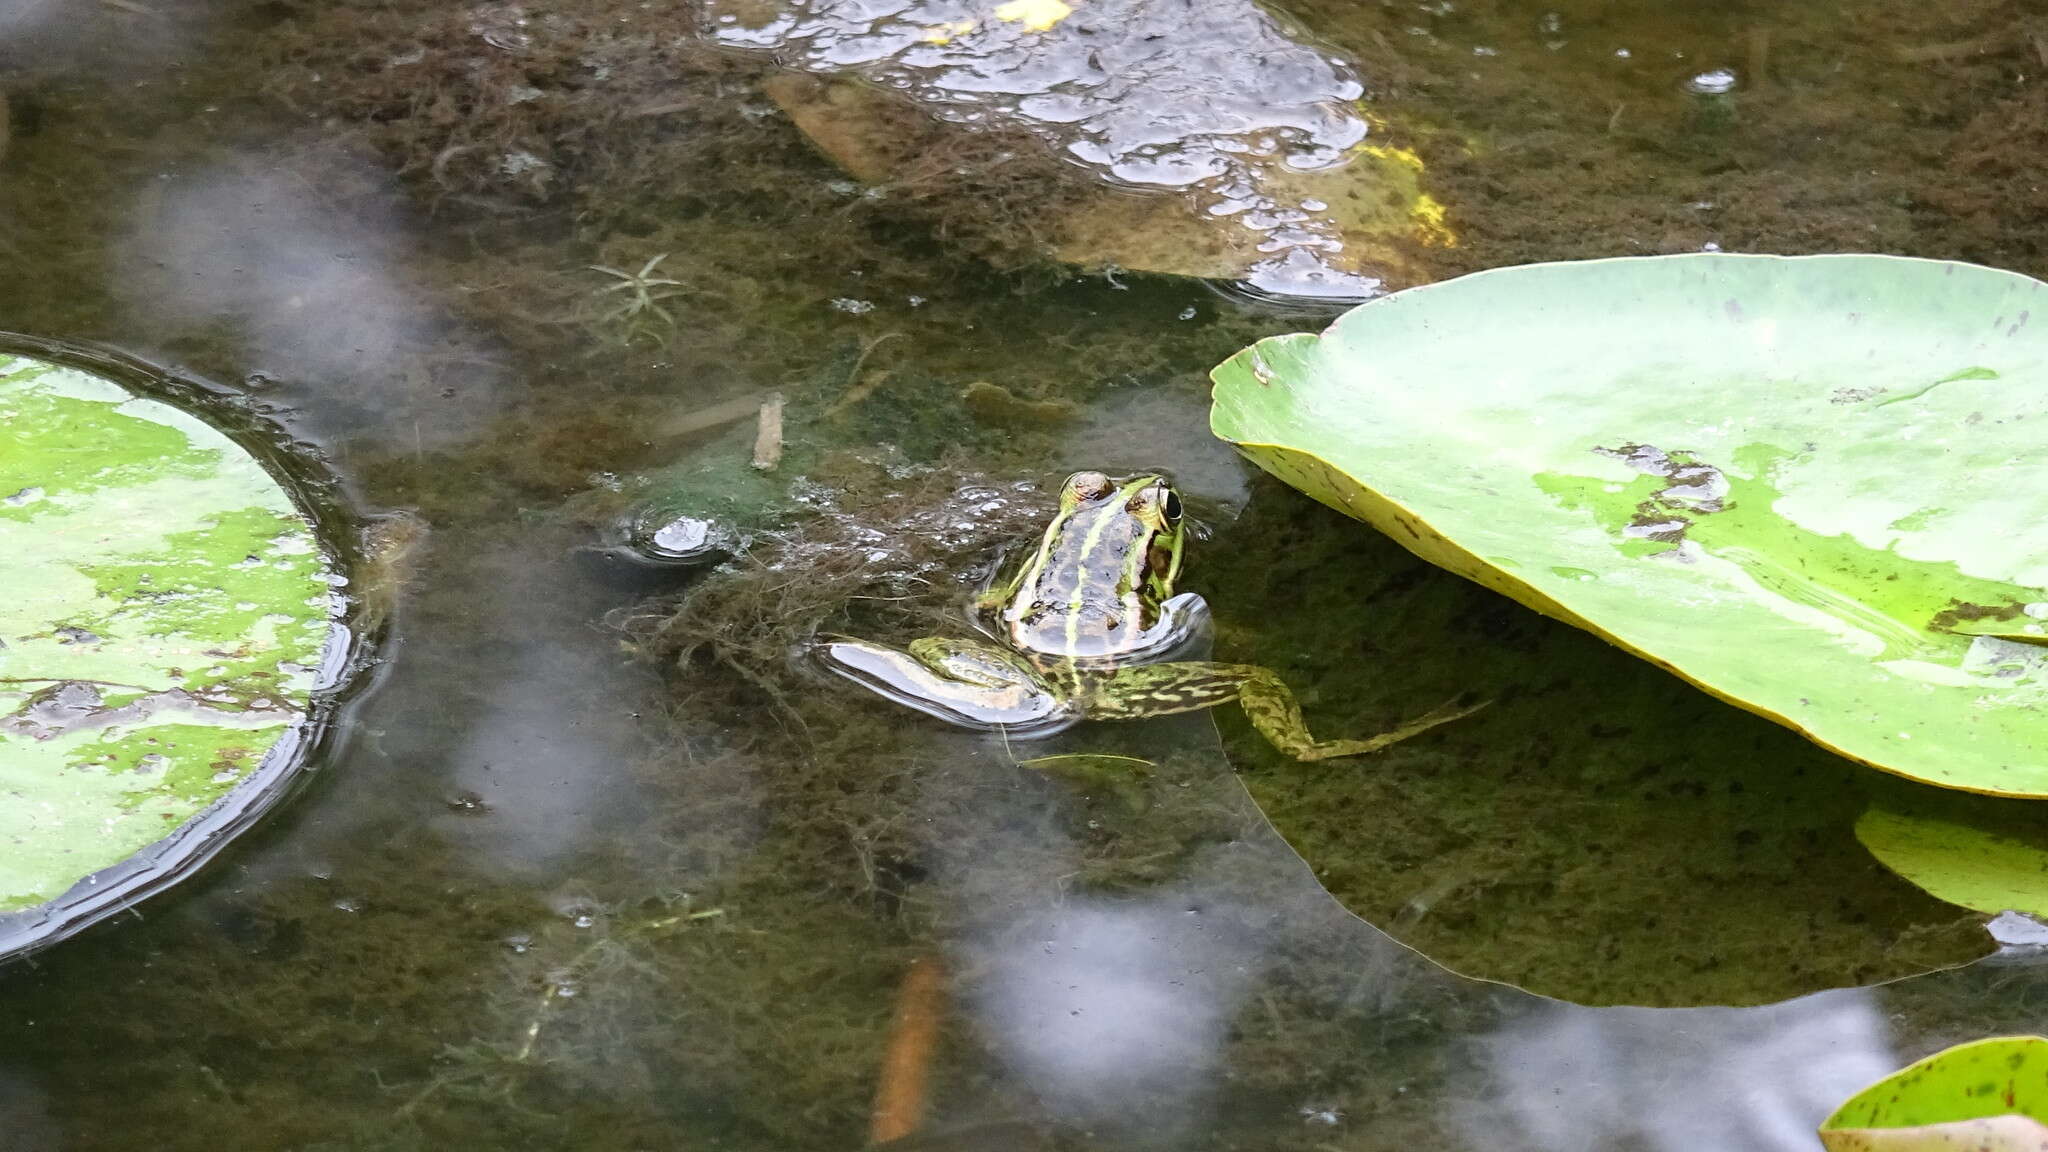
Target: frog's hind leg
(1133, 693)
(1273, 710)
(960, 681)
(1160, 689)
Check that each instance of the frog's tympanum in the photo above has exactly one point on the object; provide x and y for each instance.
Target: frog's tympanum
(1087, 627)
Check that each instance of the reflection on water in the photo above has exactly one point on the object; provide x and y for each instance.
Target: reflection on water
(1158, 94)
(302, 259)
(542, 900)
(1136, 1017)
(24, 1110)
(545, 752)
(18, 17)
(1120, 1002)
(1677, 1080)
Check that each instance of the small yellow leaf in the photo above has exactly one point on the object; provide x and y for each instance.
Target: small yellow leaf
(1037, 15)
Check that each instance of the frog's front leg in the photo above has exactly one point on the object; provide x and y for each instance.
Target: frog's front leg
(1162, 689)
(963, 682)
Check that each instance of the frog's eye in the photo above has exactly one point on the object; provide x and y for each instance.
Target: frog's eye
(1089, 485)
(1172, 506)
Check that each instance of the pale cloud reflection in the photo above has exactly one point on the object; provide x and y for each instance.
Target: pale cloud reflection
(19, 16)
(302, 258)
(544, 742)
(25, 1114)
(1568, 1079)
(1115, 1010)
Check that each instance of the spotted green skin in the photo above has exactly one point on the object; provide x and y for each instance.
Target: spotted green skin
(1084, 624)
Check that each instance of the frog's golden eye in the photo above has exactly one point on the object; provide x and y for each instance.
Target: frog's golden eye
(1089, 486)
(1155, 504)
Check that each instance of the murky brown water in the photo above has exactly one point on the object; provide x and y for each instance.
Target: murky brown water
(585, 873)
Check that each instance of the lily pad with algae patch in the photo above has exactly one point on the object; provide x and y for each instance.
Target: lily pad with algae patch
(167, 608)
(1984, 1096)
(1813, 486)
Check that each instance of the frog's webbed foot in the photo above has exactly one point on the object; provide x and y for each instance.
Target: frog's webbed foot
(962, 682)
(1273, 710)
(1162, 689)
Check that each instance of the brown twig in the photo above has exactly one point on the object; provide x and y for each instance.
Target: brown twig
(857, 389)
(704, 419)
(905, 1083)
(768, 433)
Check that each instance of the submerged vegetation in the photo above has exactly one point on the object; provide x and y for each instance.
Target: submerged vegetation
(382, 217)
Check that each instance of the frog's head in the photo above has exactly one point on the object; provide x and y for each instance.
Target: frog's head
(1129, 533)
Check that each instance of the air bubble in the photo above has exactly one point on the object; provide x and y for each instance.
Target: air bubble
(1715, 82)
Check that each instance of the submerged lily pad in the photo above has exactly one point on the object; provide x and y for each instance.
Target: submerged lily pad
(1990, 869)
(168, 607)
(1264, 163)
(1812, 486)
(1984, 1096)
(1371, 214)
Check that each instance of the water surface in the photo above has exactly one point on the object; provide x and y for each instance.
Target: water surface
(594, 867)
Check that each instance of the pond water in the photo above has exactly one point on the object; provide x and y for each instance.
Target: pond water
(592, 863)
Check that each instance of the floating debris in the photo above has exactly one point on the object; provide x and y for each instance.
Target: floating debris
(768, 434)
(704, 419)
(676, 541)
(1716, 82)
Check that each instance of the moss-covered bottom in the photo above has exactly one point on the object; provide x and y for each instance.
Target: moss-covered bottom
(599, 868)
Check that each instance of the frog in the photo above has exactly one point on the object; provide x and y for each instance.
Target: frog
(1088, 627)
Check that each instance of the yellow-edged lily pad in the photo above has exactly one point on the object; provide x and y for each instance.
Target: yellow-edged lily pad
(1812, 486)
(1984, 1096)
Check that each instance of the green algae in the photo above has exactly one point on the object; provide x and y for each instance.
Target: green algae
(248, 1010)
(1915, 608)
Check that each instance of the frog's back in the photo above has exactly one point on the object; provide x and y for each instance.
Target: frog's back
(1080, 605)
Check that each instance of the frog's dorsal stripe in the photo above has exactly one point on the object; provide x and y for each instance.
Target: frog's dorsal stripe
(1108, 512)
(1089, 593)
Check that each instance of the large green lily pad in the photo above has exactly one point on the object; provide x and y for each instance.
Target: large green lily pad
(1984, 1096)
(1815, 486)
(166, 614)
